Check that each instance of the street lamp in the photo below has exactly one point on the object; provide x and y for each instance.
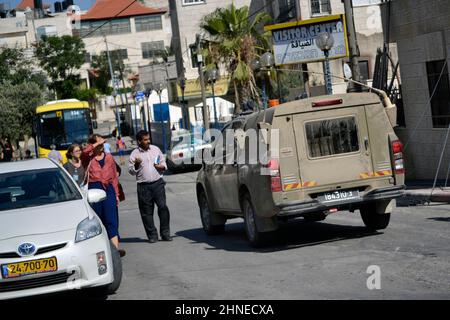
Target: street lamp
(159, 87)
(325, 42)
(212, 76)
(265, 62)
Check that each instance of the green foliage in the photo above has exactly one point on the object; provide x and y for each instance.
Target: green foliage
(17, 107)
(89, 95)
(61, 57)
(101, 66)
(234, 41)
(16, 68)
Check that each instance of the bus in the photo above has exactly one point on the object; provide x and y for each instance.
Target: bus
(62, 123)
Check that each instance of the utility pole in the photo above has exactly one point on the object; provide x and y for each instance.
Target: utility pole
(353, 45)
(202, 81)
(114, 86)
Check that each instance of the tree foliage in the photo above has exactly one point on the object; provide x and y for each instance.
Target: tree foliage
(17, 107)
(234, 41)
(103, 75)
(61, 58)
(16, 68)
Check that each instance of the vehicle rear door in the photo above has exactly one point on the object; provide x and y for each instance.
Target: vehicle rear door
(333, 146)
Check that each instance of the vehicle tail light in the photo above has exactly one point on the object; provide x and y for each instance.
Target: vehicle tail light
(397, 150)
(325, 103)
(275, 180)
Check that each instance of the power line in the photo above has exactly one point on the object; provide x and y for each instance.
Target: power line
(109, 20)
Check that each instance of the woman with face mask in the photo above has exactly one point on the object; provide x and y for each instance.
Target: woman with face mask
(102, 174)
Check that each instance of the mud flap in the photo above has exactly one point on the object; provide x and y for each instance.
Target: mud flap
(385, 206)
(266, 224)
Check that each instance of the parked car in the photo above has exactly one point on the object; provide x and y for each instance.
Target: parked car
(183, 150)
(50, 238)
(335, 153)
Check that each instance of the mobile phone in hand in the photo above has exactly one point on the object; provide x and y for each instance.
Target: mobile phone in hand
(157, 160)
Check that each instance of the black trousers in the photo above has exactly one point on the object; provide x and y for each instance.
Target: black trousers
(148, 195)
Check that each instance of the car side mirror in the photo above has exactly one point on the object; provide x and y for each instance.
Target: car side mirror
(96, 195)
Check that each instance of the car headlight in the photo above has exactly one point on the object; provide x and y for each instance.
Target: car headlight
(87, 229)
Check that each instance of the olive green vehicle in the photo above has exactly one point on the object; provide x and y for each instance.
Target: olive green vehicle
(334, 153)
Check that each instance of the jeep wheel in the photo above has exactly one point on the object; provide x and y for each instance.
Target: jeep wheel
(206, 216)
(255, 237)
(372, 219)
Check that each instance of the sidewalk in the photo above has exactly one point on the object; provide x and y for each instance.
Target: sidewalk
(421, 192)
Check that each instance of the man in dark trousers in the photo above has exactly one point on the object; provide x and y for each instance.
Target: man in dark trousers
(147, 163)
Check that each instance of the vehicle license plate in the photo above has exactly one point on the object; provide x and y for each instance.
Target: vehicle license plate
(339, 195)
(19, 269)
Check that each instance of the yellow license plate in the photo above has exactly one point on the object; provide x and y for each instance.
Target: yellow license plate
(19, 269)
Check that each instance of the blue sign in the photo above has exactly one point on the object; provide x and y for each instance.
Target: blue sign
(139, 96)
(161, 112)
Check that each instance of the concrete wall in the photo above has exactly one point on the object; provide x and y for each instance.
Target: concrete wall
(422, 32)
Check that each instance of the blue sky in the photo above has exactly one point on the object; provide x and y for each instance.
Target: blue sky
(84, 4)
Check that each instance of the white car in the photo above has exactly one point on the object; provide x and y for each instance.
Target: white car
(50, 238)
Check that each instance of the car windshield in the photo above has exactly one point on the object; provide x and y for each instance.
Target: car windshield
(35, 188)
(62, 128)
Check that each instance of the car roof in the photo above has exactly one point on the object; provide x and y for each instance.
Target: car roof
(33, 164)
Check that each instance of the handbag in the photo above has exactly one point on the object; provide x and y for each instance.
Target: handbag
(84, 186)
(121, 193)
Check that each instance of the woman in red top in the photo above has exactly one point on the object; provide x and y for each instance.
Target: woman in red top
(102, 174)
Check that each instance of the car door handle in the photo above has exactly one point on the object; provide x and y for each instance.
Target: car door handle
(366, 144)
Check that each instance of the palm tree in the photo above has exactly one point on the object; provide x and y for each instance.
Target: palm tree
(233, 41)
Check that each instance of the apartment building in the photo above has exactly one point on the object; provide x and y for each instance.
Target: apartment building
(421, 31)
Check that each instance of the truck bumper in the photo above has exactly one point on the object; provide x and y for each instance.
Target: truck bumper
(298, 208)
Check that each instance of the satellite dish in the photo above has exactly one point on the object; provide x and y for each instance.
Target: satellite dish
(347, 71)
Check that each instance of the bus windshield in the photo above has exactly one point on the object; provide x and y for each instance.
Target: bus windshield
(64, 127)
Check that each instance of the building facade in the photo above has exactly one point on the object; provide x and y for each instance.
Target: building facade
(421, 30)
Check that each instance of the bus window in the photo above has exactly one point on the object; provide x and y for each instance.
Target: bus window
(62, 128)
(76, 123)
(51, 130)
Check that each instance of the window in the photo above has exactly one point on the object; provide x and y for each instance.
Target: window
(320, 7)
(190, 2)
(148, 23)
(115, 26)
(364, 69)
(119, 54)
(331, 137)
(87, 56)
(440, 103)
(35, 188)
(152, 49)
(287, 10)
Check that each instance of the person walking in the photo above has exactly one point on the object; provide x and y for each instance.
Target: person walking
(73, 164)
(147, 163)
(120, 146)
(55, 155)
(102, 174)
(8, 151)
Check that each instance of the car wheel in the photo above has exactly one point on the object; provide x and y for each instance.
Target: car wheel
(315, 217)
(255, 237)
(207, 216)
(117, 270)
(372, 219)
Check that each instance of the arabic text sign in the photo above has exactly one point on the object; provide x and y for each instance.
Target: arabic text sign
(295, 42)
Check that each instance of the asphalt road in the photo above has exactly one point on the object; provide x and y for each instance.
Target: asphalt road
(317, 260)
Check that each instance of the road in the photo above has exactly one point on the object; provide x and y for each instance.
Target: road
(317, 260)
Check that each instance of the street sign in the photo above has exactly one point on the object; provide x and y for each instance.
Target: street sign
(161, 112)
(295, 42)
(139, 96)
